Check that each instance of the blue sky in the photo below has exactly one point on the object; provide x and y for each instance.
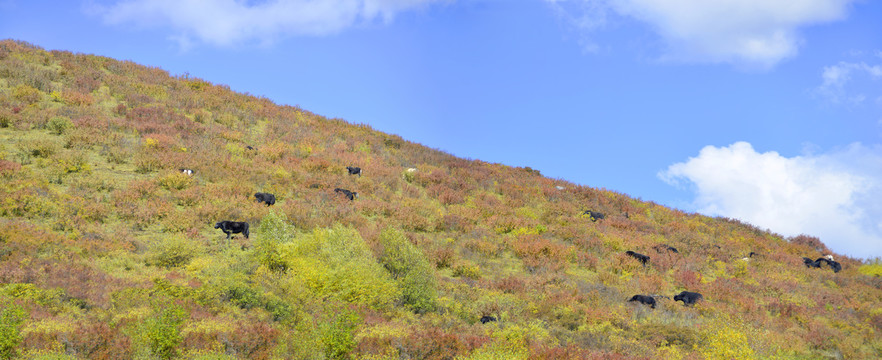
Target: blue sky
(770, 112)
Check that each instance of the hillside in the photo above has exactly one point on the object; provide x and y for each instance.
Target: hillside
(109, 251)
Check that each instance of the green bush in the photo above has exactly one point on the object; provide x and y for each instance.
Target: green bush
(146, 162)
(172, 251)
(337, 332)
(337, 263)
(59, 125)
(410, 269)
(467, 271)
(42, 147)
(11, 319)
(161, 331)
(272, 231)
(5, 118)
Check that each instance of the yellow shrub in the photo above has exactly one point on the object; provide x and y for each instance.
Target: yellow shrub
(177, 181)
(337, 263)
(725, 342)
(27, 94)
(871, 269)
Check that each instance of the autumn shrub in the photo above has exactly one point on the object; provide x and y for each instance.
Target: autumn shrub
(40, 147)
(180, 221)
(146, 162)
(538, 252)
(6, 118)
(810, 241)
(93, 182)
(117, 154)
(510, 285)
(669, 334)
(485, 246)
(466, 270)
(27, 94)
(445, 194)
(8, 168)
(252, 341)
(74, 98)
(433, 343)
(97, 340)
(172, 251)
(443, 257)
(68, 162)
(190, 196)
(410, 269)
(454, 222)
(415, 215)
(176, 181)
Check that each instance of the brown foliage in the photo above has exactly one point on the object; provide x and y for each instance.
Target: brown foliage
(435, 344)
(98, 341)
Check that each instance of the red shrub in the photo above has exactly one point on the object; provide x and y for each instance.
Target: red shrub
(435, 344)
(811, 242)
(99, 341)
(252, 340)
(687, 279)
(7, 168)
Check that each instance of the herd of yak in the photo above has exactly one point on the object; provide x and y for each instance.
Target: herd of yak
(687, 297)
(241, 227)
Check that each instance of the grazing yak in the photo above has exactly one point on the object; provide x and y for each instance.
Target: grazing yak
(809, 263)
(749, 256)
(267, 198)
(354, 170)
(666, 247)
(485, 319)
(644, 299)
(642, 258)
(594, 215)
(833, 264)
(233, 227)
(351, 195)
(688, 297)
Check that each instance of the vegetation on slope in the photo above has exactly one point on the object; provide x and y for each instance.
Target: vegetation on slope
(108, 251)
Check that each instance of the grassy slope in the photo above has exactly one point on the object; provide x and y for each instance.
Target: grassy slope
(106, 250)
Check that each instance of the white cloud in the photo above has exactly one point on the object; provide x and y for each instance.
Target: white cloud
(838, 82)
(834, 195)
(756, 33)
(229, 22)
